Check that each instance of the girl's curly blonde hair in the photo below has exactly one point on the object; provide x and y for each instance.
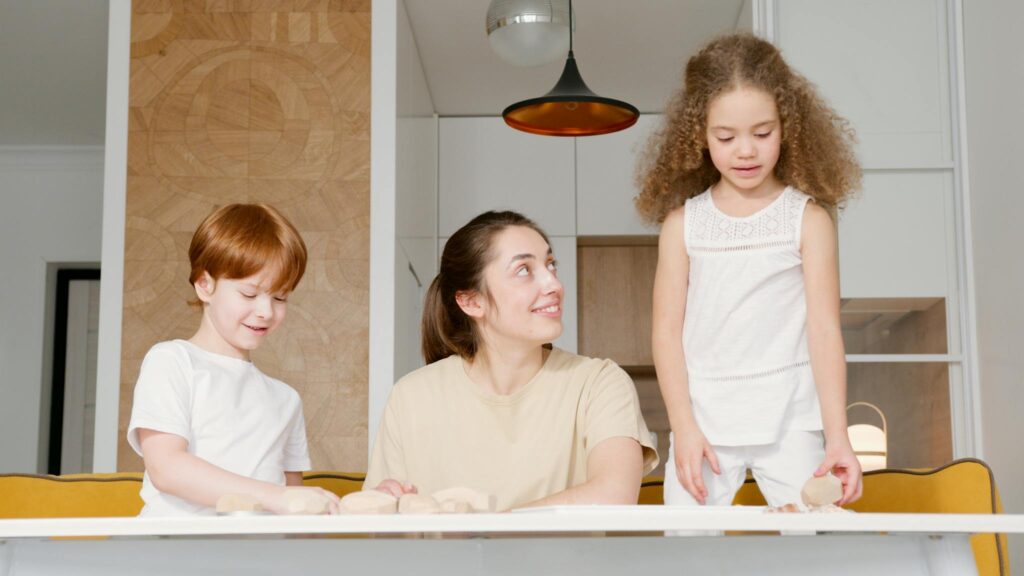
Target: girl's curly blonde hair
(816, 154)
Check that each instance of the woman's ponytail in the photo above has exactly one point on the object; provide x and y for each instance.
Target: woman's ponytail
(437, 325)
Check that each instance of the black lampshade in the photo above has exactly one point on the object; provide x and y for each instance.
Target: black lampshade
(570, 109)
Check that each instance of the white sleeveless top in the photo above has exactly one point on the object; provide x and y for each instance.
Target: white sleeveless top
(744, 333)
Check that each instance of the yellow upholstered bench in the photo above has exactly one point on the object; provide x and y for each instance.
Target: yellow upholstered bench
(114, 494)
(964, 486)
(70, 496)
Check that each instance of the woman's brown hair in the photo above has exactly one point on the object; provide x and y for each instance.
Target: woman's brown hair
(816, 154)
(239, 240)
(446, 329)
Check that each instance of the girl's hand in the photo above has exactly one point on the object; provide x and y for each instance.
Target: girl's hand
(691, 448)
(396, 488)
(843, 463)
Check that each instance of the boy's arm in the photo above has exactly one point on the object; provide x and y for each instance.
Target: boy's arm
(825, 344)
(173, 470)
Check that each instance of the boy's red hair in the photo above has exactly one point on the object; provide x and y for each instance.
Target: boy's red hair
(239, 240)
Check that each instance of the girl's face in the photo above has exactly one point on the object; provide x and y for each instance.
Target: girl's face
(744, 137)
(238, 313)
(523, 299)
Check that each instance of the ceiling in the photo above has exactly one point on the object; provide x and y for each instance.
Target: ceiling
(53, 59)
(633, 51)
(53, 72)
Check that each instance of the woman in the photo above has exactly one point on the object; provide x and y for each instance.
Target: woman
(495, 409)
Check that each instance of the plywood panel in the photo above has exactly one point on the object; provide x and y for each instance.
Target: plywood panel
(615, 287)
(255, 101)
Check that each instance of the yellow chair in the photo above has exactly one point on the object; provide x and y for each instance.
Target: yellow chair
(70, 496)
(114, 494)
(341, 483)
(964, 486)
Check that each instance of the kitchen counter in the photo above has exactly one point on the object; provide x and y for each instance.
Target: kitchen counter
(590, 540)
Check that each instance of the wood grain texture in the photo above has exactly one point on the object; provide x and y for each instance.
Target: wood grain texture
(615, 288)
(255, 101)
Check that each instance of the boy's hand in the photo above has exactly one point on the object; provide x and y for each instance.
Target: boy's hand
(396, 488)
(691, 448)
(303, 500)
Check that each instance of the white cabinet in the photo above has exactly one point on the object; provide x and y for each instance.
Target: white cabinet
(485, 165)
(896, 240)
(884, 66)
(606, 181)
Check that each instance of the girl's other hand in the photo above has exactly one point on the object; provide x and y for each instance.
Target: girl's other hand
(691, 448)
(842, 462)
(396, 488)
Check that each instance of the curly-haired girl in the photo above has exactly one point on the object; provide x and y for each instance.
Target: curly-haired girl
(746, 335)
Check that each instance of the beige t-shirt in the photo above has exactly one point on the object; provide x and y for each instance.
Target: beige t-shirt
(440, 430)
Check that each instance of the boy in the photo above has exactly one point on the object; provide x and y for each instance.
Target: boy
(206, 421)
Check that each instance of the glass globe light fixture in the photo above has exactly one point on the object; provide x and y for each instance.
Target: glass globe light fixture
(570, 108)
(529, 32)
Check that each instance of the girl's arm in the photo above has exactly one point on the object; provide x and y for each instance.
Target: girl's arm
(670, 285)
(173, 470)
(825, 344)
(615, 469)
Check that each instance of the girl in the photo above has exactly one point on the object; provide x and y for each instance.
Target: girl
(746, 335)
(206, 421)
(497, 409)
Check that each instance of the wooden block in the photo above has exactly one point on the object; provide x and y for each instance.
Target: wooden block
(822, 490)
(418, 504)
(458, 498)
(237, 503)
(369, 502)
(306, 502)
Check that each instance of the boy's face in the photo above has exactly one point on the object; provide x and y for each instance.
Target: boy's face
(238, 313)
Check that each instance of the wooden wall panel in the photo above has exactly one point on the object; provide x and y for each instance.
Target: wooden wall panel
(616, 283)
(246, 101)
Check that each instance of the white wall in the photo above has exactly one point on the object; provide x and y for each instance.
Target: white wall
(995, 92)
(403, 202)
(52, 201)
(415, 198)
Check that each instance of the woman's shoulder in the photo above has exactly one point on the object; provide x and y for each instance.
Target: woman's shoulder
(585, 367)
(430, 376)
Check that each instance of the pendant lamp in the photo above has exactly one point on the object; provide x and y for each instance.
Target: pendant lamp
(528, 32)
(570, 108)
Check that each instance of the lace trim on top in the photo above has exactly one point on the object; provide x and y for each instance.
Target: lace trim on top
(745, 247)
(753, 375)
(778, 219)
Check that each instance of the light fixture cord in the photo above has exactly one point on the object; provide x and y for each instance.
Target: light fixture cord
(570, 27)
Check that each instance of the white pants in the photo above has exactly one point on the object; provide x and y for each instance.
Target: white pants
(780, 469)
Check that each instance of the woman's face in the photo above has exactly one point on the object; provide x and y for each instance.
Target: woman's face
(522, 296)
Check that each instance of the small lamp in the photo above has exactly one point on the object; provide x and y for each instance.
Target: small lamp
(870, 443)
(570, 108)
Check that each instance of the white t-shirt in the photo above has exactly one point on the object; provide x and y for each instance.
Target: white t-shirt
(231, 414)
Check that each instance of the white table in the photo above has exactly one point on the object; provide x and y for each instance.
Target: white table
(560, 540)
